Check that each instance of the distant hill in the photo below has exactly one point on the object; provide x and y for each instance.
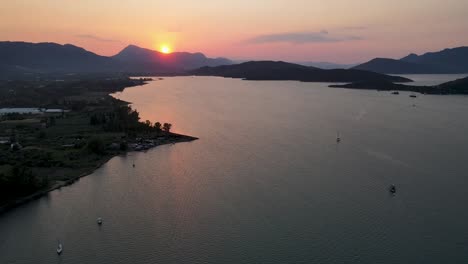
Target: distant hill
(140, 59)
(391, 66)
(458, 86)
(22, 58)
(453, 60)
(278, 70)
(326, 65)
(446, 61)
(52, 57)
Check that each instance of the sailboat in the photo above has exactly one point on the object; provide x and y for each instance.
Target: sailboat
(59, 248)
(338, 139)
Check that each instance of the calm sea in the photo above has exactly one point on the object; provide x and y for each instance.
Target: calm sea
(267, 182)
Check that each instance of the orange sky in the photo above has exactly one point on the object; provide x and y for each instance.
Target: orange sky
(296, 30)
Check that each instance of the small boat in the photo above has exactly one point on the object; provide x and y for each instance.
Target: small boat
(413, 96)
(396, 92)
(392, 189)
(99, 221)
(59, 249)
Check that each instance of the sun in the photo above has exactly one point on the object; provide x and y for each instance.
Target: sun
(165, 49)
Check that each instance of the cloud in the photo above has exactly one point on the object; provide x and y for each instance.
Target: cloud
(93, 37)
(301, 38)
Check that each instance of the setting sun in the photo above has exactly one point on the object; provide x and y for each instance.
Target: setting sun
(165, 49)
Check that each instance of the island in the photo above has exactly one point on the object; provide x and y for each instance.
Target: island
(71, 126)
(278, 70)
(459, 86)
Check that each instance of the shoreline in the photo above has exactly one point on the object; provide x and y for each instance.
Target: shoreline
(170, 138)
(58, 185)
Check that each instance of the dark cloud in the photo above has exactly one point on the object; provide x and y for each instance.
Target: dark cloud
(93, 37)
(301, 37)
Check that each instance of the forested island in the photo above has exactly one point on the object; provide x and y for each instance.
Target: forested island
(284, 71)
(71, 127)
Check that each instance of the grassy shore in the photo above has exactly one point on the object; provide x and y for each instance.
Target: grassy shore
(55, 149)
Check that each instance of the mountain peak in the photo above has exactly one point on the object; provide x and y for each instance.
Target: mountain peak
(410, 58)
(142, 57)
(132, 47)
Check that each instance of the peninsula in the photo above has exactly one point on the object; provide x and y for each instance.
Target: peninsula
(70, 128)
(459, 86)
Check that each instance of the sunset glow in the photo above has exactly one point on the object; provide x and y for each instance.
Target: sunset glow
(297, 30)
(165, 49)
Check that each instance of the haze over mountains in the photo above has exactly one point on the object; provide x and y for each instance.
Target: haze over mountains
(446, 61)
(23, 57)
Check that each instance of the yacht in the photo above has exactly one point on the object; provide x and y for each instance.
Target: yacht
(59, 248)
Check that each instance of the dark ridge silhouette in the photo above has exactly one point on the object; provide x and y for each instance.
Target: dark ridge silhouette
(278, 70)
(391, 66)
(459, 86)
(52, 57)
(453, 60)
(446, 61)
(325, 65)
(141, 59)
(18, 59)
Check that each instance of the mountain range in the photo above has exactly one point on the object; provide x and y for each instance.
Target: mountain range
(19, 59)
(29, 58)
(445, 61)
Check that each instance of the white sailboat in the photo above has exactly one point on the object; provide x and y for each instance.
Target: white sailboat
(338, 139)
(59, 248)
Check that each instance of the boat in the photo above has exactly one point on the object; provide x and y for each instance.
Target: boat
(392, 189)
(59, 248)
(338, 139)
(413, 96)
(99, 221)
(396, 92)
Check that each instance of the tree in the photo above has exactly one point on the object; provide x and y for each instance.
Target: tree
(52, 121)
(167, 127)
(148, 123)
(41, 135)
(123, 145)
(96, 145)
(158, 126)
